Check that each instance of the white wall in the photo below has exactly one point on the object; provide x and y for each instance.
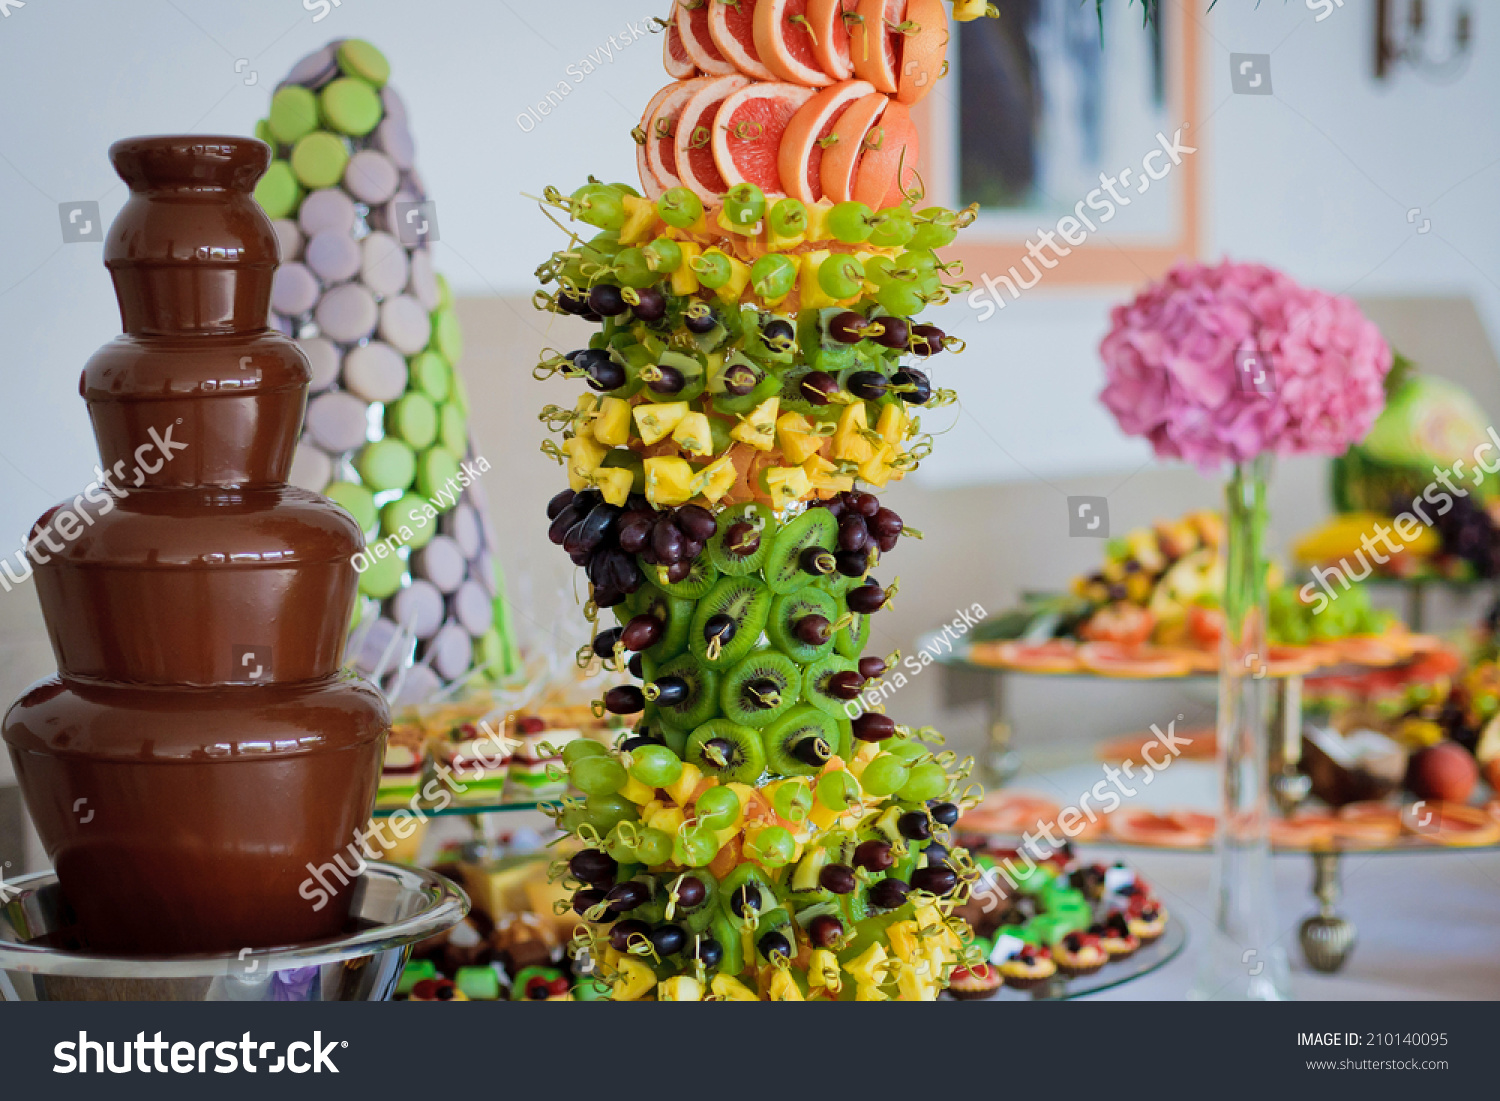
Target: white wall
(1316, 179)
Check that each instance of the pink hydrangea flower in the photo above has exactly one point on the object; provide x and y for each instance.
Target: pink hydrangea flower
(1175, 364)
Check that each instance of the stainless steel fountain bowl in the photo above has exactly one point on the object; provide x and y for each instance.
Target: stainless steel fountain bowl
(394, 907)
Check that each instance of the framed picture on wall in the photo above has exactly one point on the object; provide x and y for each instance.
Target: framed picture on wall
(1082, 153)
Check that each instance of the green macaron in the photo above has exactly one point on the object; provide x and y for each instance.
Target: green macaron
(414, 419)
(356, 500)
(294, 113)
(446, 335)
(358, 58)
(430, 373)
(319, 158)
(278, 192)
(437, 472)
(408, 512)
(383, 576)
(387, 464)
(351, 106)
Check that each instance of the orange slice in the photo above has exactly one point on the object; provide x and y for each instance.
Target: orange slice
(1009, 813)
(1307, 830)
(846, 143)
(1170, 830)
(923, 49)
(890, 148)
(748, 133)
(732, 27)
(830, 34)
(800, 157)
(692, 27)
(656, 157)
(1370, 822)
(784, 41)
(693, 142)
(1110, 659)
(874, 44)
(675, 55)
(1058, 656)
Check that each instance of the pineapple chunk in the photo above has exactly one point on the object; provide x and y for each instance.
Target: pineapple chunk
(869, 966)
(636, 980)
(693, 435)
(640, 220)
(655, 422)
(715, 479)
(612, 422)
(869, 992)
(915, 986)
(814, 297)
(784, 988)
(786, 485)
(680, 988)
(668, 820)
(615, 483)
(685, 278)
(891, 425)
(903, 938)
(637, 792)
(732, 990)
(820, 472)
(758, 427)
(877, 468)
(849, 443)
(798, 442)
(817, 220)
(584, 456)
(668, 480)
(823, 971)
(686, 783)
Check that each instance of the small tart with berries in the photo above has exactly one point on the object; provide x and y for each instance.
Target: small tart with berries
(1147, 919)
(436, 990)
(1079, 954)
(969, 984)
(1116, 938)
(1028, 968)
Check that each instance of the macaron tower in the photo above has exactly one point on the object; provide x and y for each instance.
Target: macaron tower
(386, 434)
(767, 831)
(199, 748)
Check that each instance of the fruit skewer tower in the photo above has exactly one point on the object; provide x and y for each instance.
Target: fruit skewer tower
(762, 834)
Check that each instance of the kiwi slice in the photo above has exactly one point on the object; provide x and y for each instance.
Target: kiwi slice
(747, 604)
(700, 579)
(850, 639)
(787, 611)
(673, 611)
(727, 751)
(815, 528)
(761, 688)
(702, 700)
(731, 563)
(815, 685)
(800, 741)
(676, 739)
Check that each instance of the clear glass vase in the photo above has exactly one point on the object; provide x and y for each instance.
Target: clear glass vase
(1242, 960)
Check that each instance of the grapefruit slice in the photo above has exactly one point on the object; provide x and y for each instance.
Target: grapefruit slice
(1110, 659)
(675, 56)
(693, 142)
(1450, 823)
(749, 130)
(1308, 830)
(890, 149)
(845, 144)
(1057, 656)
(784, 41)
(1171, 830)
(658, 155)
(830, 34)
(800, 157)
(1009, 813)
(874, 46)
(731, 23)
(692, 27)
(923, 49)
(1371, 822)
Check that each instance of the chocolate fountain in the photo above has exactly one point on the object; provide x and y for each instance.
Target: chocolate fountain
(199, 748)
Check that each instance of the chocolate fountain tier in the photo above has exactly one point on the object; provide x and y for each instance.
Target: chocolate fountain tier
(185, 820)
(199, 586)
(232, 404)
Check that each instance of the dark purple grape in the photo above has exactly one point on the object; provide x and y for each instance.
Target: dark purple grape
(845, 685)
(825, 931)
(834, 505)
(885, 523)
(921, 386)
(872, 668)
(652, 304)
(691, 549)
(584, 558)
(564, 521)
(667, 540)
(838, 878)
(889, 894)
(560, 502)
(813, 752)
(866, 599)
(607, 301)
(915, 825)
(697, 522)
(605, 642)
(679, 572)
(945, 813)
(741, 379)
(699, 320)
(625, 931)
(927, 340)
(721, 627)
(874, 856)
(636, 667)
(745, 898)
(778, 334)
(935, 879)
(586, 899)
(607, 375)
(847, 327)
(668, 940)
(872, 726)
(594, 867)
(634, 536)
(870, 385)
(624, 699)
(594, 529)
(666, 380)
(691, 892)
(895, 333)
(641, 633)
(819, 387)
(617, 571)
(708, 951)
(741, 540)
(813, 630)
(866, 504)
(671, 690)
(773, 944)
(608, 598)
(570, 303)
(817, 561)
(886, 543)
(853, 563)
(627, 895)
(640, 741)
(854, 533)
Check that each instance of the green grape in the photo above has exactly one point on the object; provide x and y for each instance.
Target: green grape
(571, 818)
(880, 270)
(582, 747)
(598, 775)
(744, 205)
(607, 811)
(899, 298)
(772, 846)
(929, 284)
(925, 781)
(599, 206)
(654, 847)
(788, 218)
(773, 276)
(841, 276)
(850, 223)
(718, 808)
(884, 775)
(619, 845)
(656, 766)
(695, 846)
(932, 235)
(664, 255)
(838, 791)
(633, 269)
(713, 269)
(907, 749)
(892, 228)
(919, 260)
(679, 207)
(792, 800)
